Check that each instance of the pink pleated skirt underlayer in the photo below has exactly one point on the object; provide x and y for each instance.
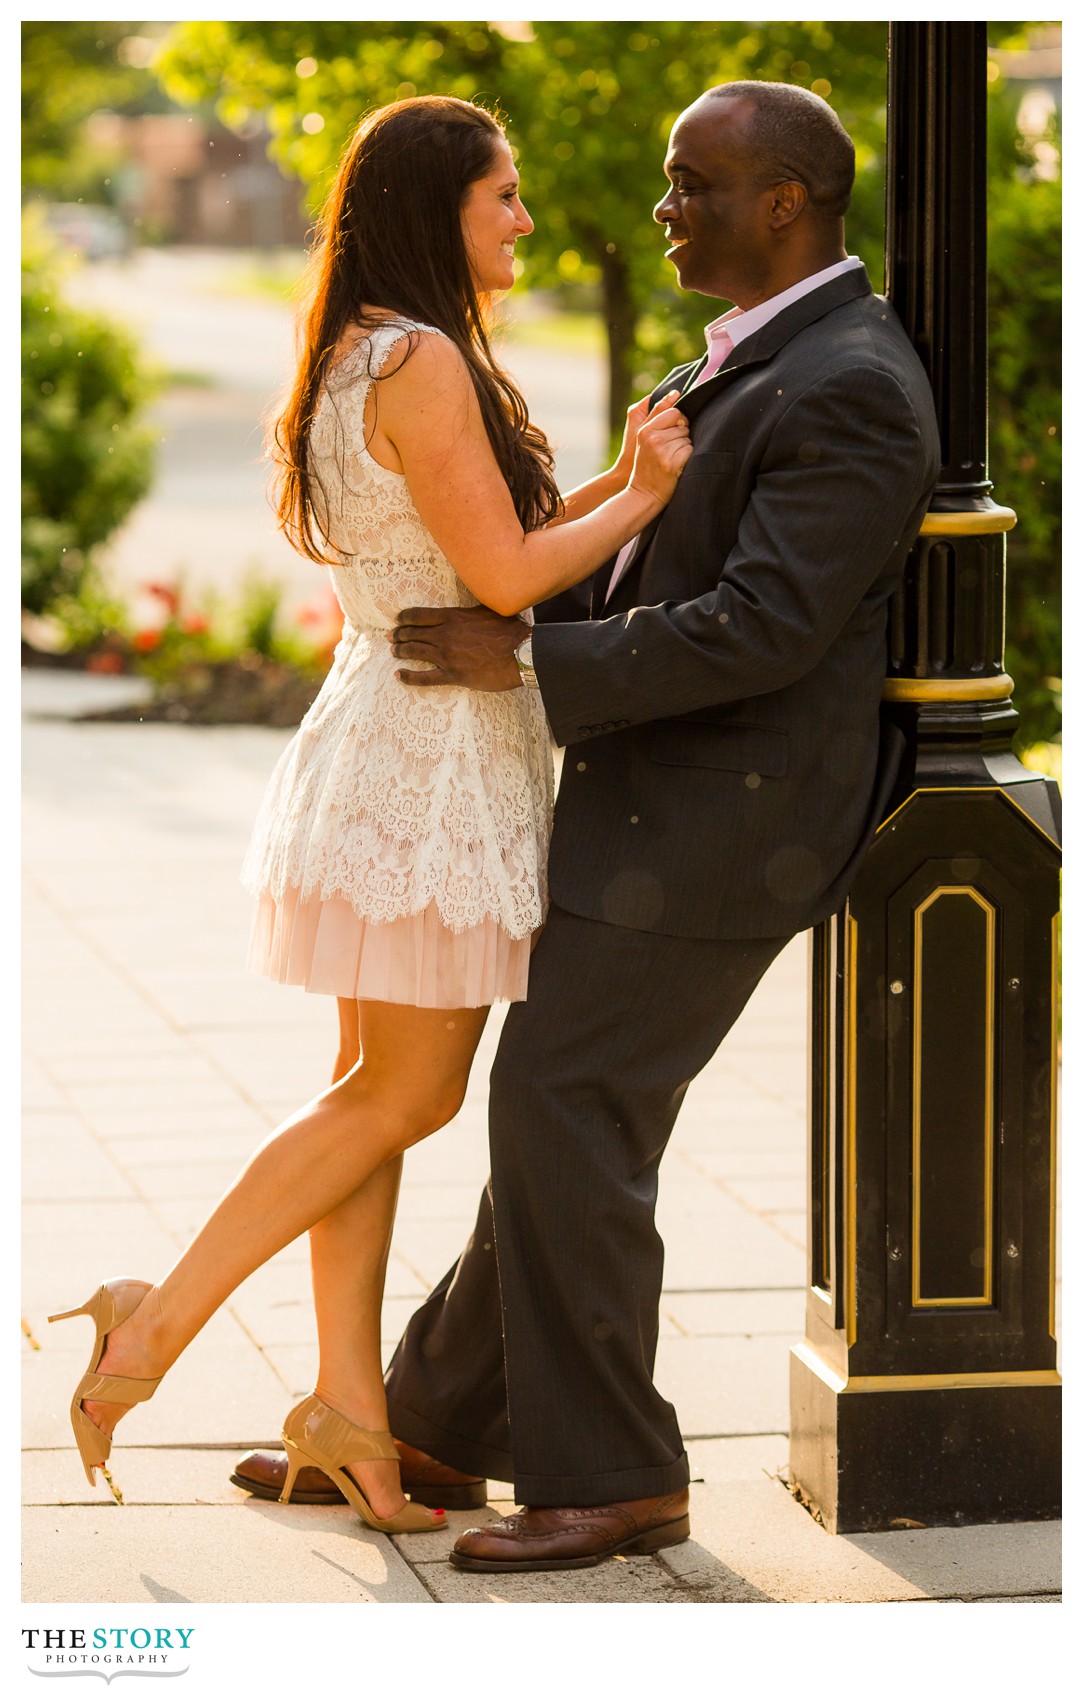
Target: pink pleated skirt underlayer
(325, 946)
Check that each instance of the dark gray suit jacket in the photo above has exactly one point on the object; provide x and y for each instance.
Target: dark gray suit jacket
(724, 765)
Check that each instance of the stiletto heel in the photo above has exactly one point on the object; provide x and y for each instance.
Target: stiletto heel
(315, 1434)
(81, 1310)
(294, 1461)
(111, 1305)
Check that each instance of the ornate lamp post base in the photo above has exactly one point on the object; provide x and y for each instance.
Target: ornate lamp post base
(926, 1389)
(881, 1451)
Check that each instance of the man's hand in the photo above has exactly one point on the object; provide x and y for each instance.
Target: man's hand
(465, 646)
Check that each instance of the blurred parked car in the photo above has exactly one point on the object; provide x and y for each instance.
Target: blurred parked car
(99, 233)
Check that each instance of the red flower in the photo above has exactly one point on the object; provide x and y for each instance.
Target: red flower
(166, 593)
(146, 639)
(195, 624)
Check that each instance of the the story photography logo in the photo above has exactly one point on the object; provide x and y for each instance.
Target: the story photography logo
(107, 1650)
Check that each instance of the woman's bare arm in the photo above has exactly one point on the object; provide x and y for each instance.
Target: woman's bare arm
(586, 497)
(430, 413)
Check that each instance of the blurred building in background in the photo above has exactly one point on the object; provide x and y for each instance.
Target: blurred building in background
(186, 181)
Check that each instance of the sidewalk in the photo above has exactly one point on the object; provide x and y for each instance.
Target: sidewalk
(154, 1065)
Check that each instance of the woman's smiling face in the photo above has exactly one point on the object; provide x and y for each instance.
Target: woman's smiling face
(493, 217)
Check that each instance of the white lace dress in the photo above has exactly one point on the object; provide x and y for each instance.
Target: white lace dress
(399, 853)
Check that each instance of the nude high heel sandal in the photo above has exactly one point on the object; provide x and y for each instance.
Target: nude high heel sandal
(111, 1305)
(315, 1434)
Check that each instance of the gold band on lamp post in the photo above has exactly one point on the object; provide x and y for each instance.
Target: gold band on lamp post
(988, 689)
(983, 523)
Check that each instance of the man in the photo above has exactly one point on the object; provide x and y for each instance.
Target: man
(718, 700)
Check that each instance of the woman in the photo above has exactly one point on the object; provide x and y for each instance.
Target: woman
(398, 860)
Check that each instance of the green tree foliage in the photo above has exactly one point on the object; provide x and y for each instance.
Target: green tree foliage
(1024, 416)
(70, 71)
(86, 458)
(590, 106)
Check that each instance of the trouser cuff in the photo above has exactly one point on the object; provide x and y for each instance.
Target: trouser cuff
(457, 1451)
(615, 1485)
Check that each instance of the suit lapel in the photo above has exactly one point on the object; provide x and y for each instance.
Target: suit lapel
(765, 343)
(682, 378)
(754, 350)
(678, 379)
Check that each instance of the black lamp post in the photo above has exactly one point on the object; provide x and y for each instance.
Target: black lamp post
(926, 1388)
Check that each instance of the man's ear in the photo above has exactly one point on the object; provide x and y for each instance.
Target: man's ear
(788, 200)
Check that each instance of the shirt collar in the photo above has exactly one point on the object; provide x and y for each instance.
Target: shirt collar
(739, 324)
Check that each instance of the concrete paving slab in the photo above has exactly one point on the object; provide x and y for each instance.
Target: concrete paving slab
(197, 1180)
(275, 1305)
(746, 1458)
(726, 1386)
(71, 1167)
(63, 1272)
(617, 1581)
(254, 1553)
(999, 1600)
(396, 1314)
(39, 1092)
(296, 1366)
(793, 1224)
(713, 1129)
(431, 1246)
(204, 1092)
(178, 1118)
(161, 1070)
(159, 1475)
(741, 1250)
(151, 1150)
(767, 1193)
(703, 1315)
(221, 1391)
(403, 1280)
(735, 1164)
(425, 1204)
(987, 1560)
(181, 1217)
(450, 1157)
(57, 1222)
(756, 1532)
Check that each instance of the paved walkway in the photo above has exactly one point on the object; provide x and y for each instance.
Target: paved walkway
(153, 1067)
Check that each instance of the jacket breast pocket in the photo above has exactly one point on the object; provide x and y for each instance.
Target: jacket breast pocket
(738, 747)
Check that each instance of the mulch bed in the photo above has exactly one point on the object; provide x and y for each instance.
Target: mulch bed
(250, 690)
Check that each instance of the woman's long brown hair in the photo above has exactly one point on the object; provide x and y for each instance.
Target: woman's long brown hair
(390, 237)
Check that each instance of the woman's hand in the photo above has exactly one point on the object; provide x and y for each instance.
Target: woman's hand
(637, 416)
(663, 445)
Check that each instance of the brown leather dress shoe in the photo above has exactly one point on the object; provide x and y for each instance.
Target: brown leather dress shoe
(426, 1481)
(572, 1537)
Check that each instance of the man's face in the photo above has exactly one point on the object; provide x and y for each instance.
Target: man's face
(715, 215)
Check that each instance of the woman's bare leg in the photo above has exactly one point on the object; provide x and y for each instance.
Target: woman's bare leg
(349, 1039)
(349, 1250)
(410, 1080)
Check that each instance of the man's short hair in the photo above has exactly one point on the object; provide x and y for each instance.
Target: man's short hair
(793, 134)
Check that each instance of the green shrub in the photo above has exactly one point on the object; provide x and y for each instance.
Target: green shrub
(87, 459)
(1024, 435)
